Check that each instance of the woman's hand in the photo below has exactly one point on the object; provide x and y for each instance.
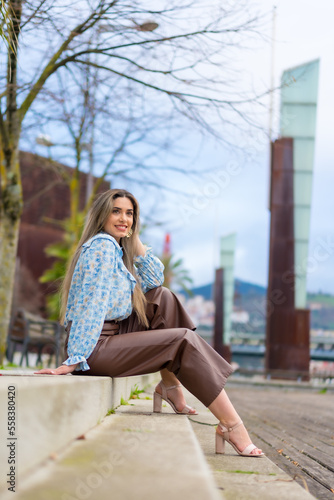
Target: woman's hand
(139, 247)
(61, 370)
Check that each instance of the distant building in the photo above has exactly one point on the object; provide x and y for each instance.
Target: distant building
(238, 316)
(202, 311)
(315, 306)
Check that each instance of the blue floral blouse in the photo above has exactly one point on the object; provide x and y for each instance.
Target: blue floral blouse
(101, 289)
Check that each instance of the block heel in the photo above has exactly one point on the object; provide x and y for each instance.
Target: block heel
(157, 402)
(220, 444)
(223, 434)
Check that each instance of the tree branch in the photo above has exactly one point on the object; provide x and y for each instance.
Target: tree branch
(176, 94)
(184, 35)
(51, 66)
(36, 11)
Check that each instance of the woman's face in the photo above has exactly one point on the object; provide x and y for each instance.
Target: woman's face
(120, 220)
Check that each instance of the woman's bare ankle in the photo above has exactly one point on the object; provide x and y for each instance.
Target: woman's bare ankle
(230, 424)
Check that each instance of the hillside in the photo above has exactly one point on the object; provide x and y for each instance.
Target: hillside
(241, 289)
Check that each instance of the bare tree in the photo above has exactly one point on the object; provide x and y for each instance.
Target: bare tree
(172, 55)
(6, 27)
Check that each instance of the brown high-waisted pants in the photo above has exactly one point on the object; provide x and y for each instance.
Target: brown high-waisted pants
(127, 348)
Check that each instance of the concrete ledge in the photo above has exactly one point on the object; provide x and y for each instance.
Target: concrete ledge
(51, 411)
(132, 454)
(121, 387)
(139, 454)
(262, 381)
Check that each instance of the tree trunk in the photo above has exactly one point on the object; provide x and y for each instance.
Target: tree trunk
(10, 212)
(11, 202)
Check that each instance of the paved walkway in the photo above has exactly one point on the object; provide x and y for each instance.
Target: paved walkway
(295, 428)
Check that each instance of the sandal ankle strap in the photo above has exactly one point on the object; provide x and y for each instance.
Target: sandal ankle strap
(164, 389)
(229, 429)
(172, 387)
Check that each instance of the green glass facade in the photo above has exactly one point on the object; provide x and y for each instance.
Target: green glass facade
(298, 120)
(227, 251)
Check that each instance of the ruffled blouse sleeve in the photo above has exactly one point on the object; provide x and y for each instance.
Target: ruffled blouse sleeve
(149, 270)
(91, 279)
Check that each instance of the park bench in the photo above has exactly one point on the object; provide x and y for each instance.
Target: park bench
(33, 334)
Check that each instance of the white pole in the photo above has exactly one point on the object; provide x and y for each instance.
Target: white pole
(271, 96)
(272, 74)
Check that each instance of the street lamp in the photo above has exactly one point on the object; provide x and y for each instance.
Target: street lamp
(148, 25)
(44, 140)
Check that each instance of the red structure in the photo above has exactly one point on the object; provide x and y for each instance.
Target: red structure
(46, 197)
(166, 250)
(287, 338)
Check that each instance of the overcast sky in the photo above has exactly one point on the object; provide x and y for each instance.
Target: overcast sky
(238, 200)
(235, 198)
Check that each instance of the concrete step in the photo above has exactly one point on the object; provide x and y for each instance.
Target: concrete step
(51, 411)
(132, 454)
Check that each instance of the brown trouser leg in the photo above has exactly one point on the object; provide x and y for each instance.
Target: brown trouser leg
(164, 310)
(171, 344)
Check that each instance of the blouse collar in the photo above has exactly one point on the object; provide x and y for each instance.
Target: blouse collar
(105, 236)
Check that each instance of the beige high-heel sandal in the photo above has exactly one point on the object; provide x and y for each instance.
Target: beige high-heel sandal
(221, 438)
(157, 401)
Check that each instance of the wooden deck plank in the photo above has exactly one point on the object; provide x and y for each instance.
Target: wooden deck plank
(319, 479)
(296, 430)
(308, 446)
(310, 466)
(312, 445)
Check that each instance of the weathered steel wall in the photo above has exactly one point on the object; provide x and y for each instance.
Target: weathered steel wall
(45, 193)
(46, 196)
(287, 336)
(218, 336)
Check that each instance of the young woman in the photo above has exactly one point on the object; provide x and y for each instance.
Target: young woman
(120, 321)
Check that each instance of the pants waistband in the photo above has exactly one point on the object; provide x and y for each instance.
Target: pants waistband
(110, 328)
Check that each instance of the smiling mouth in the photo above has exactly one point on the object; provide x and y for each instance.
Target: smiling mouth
(121, 228)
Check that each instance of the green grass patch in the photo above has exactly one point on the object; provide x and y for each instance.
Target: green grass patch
(135, 391)
(242, 472)
(322, 391)
(8, 366)
(245, 472)
(110, 412)
(124, 401)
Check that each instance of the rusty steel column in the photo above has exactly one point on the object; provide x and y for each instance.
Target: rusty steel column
(287, 335)
(218, 336)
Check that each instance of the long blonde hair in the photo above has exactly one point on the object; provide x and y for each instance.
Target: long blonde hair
(95, 221)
